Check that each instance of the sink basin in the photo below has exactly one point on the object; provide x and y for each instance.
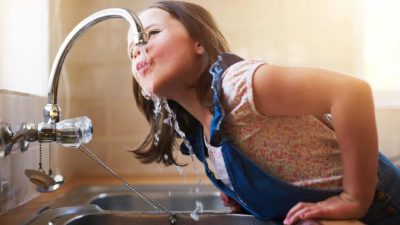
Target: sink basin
(106, 205)
(118, 198)
(174, 201)
(161, 219)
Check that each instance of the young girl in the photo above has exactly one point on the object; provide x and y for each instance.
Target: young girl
(262, 126)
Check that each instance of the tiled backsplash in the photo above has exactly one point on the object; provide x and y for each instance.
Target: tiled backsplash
(17, 108)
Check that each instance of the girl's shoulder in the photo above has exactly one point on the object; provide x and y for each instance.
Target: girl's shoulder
(242, 67)
(237, 84)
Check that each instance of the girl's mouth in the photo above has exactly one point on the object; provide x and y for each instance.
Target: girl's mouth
(142, 67)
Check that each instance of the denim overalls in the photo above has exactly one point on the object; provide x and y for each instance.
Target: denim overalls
(265, 196)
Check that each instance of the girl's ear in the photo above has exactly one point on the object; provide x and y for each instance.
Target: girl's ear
(198, 48)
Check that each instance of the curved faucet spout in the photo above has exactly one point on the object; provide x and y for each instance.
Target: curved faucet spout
(51, 110)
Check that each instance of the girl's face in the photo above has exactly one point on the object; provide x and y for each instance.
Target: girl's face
(172, 56)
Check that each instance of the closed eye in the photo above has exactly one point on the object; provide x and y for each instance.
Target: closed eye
(153, 33)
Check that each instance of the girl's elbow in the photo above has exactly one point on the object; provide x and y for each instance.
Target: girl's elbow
(362, 89)
(365, 87)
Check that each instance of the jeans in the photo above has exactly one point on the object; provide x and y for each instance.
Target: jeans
(385, 207)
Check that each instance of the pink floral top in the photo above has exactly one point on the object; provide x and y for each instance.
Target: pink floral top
(297, 149)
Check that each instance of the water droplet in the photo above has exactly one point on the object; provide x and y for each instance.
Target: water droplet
(157, 138)
(179, 169)
(172, 219)
(199, 209)
(168, 121)
(157, 106)
(194, 216)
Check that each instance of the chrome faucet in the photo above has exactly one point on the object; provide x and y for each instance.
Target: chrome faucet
(72, 132)
(52, 110)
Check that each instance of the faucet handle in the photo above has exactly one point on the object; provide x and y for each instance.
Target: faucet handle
(74, 132)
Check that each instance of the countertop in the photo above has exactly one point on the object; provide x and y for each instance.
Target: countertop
(25, 211)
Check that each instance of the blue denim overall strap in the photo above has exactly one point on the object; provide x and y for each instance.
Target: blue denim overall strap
(264, 196)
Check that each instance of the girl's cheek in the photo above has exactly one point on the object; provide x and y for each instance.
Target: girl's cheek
(133, 68)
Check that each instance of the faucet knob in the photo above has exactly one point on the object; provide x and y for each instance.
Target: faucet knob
(74, 132)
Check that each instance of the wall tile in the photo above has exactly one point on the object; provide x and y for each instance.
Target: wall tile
(6, 183)
(126, 119)
(17, 108)
(95, 110)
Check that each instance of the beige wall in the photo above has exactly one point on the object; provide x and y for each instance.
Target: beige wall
(96, 80)
(24, 70)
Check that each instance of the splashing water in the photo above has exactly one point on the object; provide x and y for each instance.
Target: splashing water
(142, 65)
(199, 209)
(179, 169)
(157, 106)
(156, 114)
(172, 121)
(157, 138)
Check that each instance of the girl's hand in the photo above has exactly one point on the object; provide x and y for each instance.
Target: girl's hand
(343, 206)
(229, 202)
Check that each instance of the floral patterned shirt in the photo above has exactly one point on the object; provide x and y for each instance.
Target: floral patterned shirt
(297, 149)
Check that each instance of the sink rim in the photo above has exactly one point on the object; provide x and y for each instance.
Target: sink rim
(65, 220)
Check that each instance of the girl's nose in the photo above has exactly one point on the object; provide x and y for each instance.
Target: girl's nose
(138, 51)
(134, 53)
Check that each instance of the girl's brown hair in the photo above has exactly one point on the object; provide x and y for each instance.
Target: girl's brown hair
(202, 28)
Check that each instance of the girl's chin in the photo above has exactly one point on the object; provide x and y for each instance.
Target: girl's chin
(150, 93)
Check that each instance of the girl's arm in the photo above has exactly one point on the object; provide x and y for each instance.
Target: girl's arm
(309, 91)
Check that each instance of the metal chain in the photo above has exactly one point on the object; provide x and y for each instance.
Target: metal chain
(50, 170)
(147, 199)
(40, 156)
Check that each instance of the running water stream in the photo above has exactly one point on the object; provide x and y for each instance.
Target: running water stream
(143, 62)
(141, 65)
(172, 121)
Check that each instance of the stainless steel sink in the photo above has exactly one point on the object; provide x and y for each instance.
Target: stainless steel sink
(118, 198)
(174, 202)
(115, 199)
(106, 205)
